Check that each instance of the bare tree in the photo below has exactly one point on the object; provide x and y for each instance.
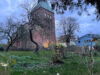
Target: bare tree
(30, 21)
(12, 32)
(69, 26)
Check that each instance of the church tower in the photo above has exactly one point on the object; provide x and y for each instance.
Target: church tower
(43, 36)
(43, 10)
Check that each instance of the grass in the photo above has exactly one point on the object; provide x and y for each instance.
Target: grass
(27, 63)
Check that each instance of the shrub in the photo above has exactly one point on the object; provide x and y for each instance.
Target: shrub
(97, 46)
(1, 49)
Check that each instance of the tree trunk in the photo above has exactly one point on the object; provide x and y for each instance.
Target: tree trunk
(67, 40)
(7, 49)
(31, 37)
(12, 42)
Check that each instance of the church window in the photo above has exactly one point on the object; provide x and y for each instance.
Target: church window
(45, 14)
(50, 16)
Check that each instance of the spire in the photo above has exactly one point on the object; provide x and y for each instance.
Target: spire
(41, 0)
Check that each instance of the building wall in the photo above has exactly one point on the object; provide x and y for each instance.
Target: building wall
(43, 13)
(41, 36)
(85, 41)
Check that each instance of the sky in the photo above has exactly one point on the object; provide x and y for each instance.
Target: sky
(88, 24)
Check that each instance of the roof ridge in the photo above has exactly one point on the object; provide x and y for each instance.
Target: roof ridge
(95, 35)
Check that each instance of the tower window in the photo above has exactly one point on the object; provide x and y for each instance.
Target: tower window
(50, 17)
(45, 14)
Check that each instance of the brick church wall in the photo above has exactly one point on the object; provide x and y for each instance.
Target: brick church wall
(25, 44)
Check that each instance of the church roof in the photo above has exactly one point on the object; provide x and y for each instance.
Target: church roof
(43, 4)
(41, 0)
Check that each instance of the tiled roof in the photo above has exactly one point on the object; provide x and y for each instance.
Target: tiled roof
(90, 35)
(44, 5)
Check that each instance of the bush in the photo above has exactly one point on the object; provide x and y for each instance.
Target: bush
(97, 48)
(52, 47)
(1, 49)
(74, 48)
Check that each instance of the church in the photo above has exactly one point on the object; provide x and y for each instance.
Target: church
(43, 36)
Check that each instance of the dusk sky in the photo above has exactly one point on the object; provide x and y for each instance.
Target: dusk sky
(88, 24)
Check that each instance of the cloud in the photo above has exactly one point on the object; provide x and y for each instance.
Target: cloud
(11, 8)
(85, 25)
(8, 8)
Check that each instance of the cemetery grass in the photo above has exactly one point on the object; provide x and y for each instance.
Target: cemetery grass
(28, 63)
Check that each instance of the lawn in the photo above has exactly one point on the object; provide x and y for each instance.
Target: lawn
(28, 63)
